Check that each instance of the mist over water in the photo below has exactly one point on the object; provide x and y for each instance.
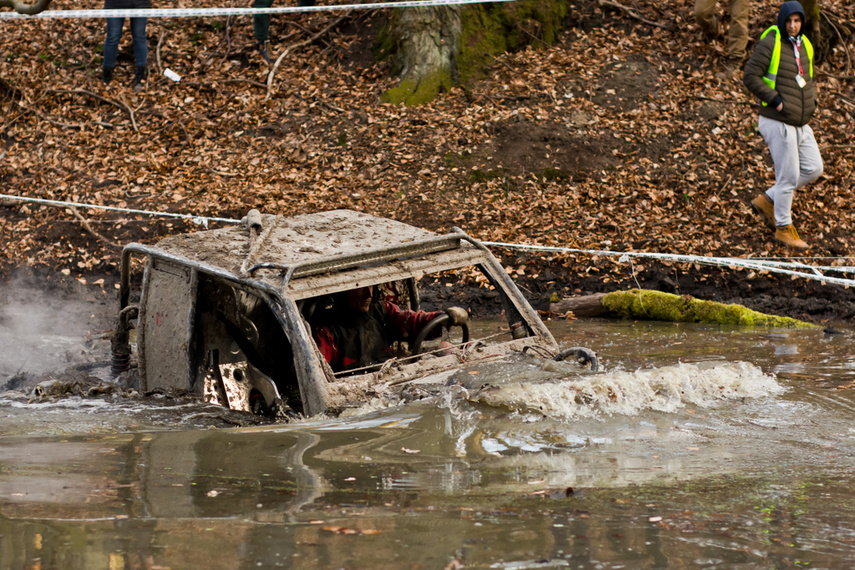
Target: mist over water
(42, 331)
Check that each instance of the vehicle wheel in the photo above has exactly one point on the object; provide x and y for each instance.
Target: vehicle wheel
(441, 320)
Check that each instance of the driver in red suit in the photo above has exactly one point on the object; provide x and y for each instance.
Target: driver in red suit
(359, 329)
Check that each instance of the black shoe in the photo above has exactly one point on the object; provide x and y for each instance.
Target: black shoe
(139, 77)
(108, 75)
(262, 49)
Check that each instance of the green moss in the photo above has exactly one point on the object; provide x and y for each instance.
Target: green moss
(492, 29)
(482, 176)
(640, 303)
(411, 92)
(553, 174)
(385, 42)
(487, 30)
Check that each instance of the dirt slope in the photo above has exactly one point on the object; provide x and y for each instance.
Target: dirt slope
(623, 136)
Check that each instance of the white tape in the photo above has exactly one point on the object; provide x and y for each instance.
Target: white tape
(770, 265)
(733, 262)
(216, 12)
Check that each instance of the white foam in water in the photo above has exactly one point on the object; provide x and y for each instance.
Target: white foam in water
(665, 389)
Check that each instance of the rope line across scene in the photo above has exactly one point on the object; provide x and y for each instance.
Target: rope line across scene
(215, 12)
(772, 266)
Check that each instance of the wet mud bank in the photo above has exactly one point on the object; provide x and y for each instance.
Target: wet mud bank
(781, 295)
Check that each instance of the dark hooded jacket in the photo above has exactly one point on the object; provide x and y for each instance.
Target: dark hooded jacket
(799, 103)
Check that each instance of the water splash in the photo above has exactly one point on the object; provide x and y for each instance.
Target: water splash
(664, 389)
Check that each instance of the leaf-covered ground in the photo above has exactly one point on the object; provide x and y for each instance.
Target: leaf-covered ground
(623, 136)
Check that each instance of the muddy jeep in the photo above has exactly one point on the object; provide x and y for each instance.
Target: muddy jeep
(228, 314)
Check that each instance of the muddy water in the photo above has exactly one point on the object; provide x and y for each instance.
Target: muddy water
(697, 446)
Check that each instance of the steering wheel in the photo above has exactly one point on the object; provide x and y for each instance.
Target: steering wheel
(441, 320)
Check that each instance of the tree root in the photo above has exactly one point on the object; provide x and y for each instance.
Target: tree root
(91, 230)
(631, 13)
(287, 51)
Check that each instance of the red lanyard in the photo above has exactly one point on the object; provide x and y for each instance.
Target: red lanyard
(796, 45)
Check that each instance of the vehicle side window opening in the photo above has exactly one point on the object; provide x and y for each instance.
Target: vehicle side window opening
(488, 301)
(240, 348)
(493, 316)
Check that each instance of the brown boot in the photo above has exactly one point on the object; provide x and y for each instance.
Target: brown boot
(788, 235)
(764, 206)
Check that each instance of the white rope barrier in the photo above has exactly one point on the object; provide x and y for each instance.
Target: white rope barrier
(811, 272)
(218, 12)
(733, 262)
(199, 220)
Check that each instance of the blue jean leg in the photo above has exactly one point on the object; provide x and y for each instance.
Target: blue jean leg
(140, 41)
(114, 34)
(111, 44)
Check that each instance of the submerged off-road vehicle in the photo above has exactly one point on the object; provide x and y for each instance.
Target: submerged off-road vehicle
(228, 313)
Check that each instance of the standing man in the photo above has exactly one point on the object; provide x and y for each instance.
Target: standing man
(114, 34)
(780, 74)
(737, 35)
(261, 27)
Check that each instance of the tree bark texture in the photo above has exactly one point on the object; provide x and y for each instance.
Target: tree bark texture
(436, 48)
(426, 45)
(819, 34)
(584, 306)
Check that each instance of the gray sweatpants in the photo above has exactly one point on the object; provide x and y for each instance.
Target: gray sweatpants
(797, 162)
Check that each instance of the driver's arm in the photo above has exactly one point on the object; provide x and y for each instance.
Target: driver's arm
(405, 325)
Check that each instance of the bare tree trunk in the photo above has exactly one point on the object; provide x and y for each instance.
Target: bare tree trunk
(815, 31)
(426, 43)
(24, 8)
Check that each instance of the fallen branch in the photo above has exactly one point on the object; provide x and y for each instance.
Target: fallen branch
(222, 173)
(842, 41)
(728, 101)
(631, 13)
(250, 81)
(49, 120)
(843, 99)
(833, 76)
(157, 52)
(584, 306)
(285, 53)
(89, 228)
(100, 98)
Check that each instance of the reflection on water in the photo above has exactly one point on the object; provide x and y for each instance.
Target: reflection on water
(699, 446)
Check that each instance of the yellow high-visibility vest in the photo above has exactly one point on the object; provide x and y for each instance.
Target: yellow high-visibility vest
(772, 73)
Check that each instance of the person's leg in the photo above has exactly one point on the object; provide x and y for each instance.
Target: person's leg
(111, 44)
(810, 161)
(140, 41)
(737, 35)
(706, 18)
(784, 147)
(261, 22)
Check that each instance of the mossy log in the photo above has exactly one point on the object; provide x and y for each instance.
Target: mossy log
(656, 305)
